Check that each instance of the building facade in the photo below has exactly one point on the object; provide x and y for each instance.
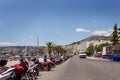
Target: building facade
(84, 44)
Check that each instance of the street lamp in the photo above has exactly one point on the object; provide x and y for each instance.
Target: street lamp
(37, 40)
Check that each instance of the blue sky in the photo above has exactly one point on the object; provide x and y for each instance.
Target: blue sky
(59, 21)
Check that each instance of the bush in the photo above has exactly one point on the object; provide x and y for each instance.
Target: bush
(90, 50)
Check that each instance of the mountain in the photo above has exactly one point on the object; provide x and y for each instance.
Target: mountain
(19, 49)
(92, 38)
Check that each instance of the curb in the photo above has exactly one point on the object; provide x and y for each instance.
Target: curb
(96, 58)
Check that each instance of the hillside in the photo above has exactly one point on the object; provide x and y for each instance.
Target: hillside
(92, 38)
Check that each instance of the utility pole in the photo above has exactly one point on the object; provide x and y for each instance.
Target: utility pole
(37, 41)
(37, 44)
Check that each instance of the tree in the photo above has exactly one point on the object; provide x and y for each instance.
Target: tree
(114, 36)
(50, 48)
(59, 50)
(63, 51)
(100, 47)
(90, 50)
(42, 50)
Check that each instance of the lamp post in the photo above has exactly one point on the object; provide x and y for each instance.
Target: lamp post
(37, 44)
(37, 40)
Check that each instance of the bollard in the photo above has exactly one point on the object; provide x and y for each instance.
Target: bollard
(46, 66)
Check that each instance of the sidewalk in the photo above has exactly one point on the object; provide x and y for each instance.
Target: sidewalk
(95, 58)
(11, 63)
(55, 73)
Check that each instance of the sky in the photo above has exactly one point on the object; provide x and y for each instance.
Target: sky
(59, 21)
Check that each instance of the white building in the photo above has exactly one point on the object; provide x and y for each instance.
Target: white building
(85, 43)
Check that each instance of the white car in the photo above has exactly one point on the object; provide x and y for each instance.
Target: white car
(82, 55)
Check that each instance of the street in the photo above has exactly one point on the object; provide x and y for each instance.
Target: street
(84, 69)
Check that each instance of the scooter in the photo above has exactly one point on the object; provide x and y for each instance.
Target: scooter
(6, 73)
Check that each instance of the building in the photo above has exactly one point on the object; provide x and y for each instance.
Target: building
(85, 43)
(119, 33)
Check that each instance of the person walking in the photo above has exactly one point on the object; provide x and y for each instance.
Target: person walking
(45, 57)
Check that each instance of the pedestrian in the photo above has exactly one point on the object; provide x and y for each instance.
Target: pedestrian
(45, 57)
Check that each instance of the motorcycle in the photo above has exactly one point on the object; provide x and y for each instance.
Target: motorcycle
(6, 73)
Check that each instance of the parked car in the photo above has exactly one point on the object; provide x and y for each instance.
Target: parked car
(115, 57)
(82, 54)
(98, 54)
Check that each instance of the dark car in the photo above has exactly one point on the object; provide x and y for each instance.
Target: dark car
(115, 57)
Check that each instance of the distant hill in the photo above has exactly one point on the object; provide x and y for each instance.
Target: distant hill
(20, 48)
(92, 38)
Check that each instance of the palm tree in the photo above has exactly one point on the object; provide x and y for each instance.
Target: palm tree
(50, 48)
(59, 50)
(63, 51)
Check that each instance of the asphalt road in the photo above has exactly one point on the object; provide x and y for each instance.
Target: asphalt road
(84, 69)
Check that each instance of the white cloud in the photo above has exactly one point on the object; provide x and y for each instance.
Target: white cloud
(99, 32)
(110, 30)
(107, 34)
(96, 32)
(6, 44)
(81, 30)
(102, 32)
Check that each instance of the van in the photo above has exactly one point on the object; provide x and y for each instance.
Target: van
(82, 54)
